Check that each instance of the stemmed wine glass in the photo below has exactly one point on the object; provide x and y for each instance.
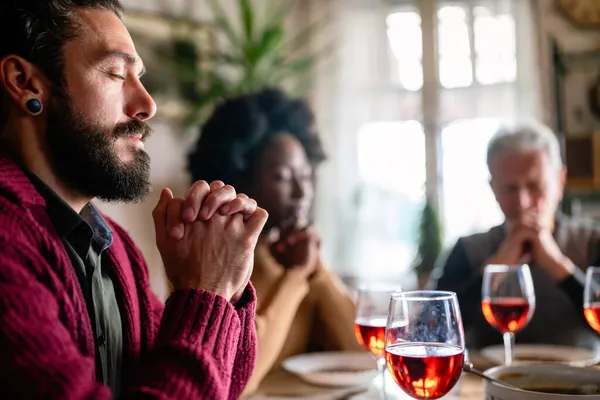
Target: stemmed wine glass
(591, 298)
(372, 307)
(425, 342)
(508, 301)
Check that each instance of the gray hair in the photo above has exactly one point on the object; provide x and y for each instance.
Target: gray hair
(525, 137)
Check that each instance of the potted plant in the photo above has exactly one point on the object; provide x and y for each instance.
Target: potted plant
(259, 55)
(430, 244)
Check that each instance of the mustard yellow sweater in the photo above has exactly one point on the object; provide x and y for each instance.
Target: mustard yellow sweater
(296, 316)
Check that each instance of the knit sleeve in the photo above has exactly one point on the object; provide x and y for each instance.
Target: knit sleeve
(247, 349)
(247, 343)
(193, 355)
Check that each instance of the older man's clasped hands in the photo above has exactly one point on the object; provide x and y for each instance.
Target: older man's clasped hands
(529, 239)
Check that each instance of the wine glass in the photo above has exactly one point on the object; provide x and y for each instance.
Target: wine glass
(508, 301)
(425, 342)
(591, 298)
(372, 307)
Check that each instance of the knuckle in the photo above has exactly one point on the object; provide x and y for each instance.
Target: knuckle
(236, 223)
(229, 188)
(219, 221)
(216, 184)
(238, 204)
(201, 186)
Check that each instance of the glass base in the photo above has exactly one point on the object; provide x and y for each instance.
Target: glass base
(393, 392)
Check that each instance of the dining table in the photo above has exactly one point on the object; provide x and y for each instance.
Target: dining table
(281, 385)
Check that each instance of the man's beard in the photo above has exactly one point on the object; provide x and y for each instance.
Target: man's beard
(84, 155)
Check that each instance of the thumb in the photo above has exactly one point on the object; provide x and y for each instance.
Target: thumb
(256, 222)
(159, 214)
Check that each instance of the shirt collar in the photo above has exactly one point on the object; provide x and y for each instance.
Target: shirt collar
(61, 214)
(102, 233)
(66, 220)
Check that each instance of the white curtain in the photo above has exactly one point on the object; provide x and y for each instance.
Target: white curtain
(352, 87)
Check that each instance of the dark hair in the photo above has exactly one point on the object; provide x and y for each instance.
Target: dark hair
(37, 30)
(235, 134)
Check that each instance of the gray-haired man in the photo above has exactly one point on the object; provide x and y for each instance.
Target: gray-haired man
(527, 178)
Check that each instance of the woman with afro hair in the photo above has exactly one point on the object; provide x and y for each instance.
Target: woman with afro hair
(263, 145)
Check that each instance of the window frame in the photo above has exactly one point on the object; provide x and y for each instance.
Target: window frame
(469, 7)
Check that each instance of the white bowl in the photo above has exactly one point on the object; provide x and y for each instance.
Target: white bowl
(540, 376)
(544, 353)
(333, 368)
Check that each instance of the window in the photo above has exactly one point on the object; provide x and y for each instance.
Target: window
(391, 161)
(456, 69)
(407, 53)
(491, 55)
(385, 149)
(495, 47)
(468, 202)
(385, 123)
(476, 47)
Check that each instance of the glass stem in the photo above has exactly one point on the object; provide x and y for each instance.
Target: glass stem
(509, 346)
(381, 366)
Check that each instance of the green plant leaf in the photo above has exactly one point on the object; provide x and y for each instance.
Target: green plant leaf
(247, 18)
(297, 66)
(223, 22)
(251, 54)
(301, 65)
(272, 41)
(263, 52)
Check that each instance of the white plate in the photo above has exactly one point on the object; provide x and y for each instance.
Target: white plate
(574, 356)
(333, 368)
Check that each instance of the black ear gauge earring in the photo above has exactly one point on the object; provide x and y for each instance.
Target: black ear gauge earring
(34, 106)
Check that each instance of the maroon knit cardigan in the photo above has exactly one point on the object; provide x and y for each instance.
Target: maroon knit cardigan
(197, 346)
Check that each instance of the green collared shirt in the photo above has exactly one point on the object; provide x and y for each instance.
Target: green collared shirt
(86, 236)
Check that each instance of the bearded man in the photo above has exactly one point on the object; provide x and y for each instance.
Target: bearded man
(77, 317)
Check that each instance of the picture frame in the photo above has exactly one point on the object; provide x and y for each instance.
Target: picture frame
(577, 96)
(577, 74)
